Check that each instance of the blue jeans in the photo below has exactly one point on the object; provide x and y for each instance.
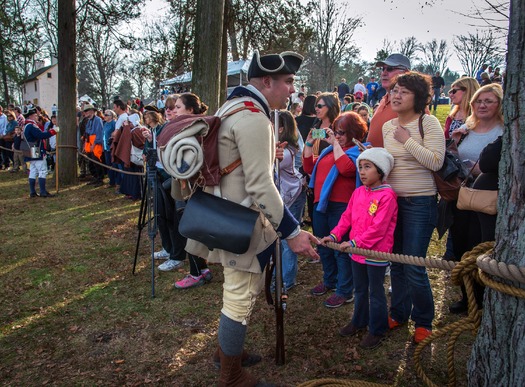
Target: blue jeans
(437, 92)
(411, 292)
(337, 266)
(289, 258)
(373, 311)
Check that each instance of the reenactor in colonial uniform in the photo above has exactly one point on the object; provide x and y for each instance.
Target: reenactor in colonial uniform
(248, 135)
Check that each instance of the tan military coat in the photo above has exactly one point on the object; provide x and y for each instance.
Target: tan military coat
(247, 135)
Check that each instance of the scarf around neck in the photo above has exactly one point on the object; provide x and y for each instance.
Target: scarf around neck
(328, 184)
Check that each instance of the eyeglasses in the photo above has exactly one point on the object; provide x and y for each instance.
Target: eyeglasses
(389, 69)
(454, 91)
(402, 93)
(485, 102)
(320, 106)
(339, 133)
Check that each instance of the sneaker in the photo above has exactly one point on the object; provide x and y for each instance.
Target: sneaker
(190, 282)
(320, 289)
(350, 330)
(421, 334)
(170, 264)
(392, 324)
(33, 195)
(162, 254)
(335, 301)
(206, 274)
(371, 341)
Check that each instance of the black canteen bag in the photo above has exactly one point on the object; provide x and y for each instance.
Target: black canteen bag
(218, 223)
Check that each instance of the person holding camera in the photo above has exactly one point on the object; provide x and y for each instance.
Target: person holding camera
(333, 179)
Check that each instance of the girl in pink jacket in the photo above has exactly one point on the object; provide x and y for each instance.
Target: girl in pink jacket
(370, 218)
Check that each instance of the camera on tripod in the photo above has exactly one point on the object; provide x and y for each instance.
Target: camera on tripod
(151, 158)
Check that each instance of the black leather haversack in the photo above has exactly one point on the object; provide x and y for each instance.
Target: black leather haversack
(218, 223)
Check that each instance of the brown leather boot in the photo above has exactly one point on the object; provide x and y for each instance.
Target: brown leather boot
(232, 373)
(247, 359)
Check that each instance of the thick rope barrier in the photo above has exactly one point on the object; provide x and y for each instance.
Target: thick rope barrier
(475, 265)
(85, 156)
(339, 382)
(112, 168)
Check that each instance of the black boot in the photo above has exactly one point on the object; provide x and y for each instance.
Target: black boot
(460, 306)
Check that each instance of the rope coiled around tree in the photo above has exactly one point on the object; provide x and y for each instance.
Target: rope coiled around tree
(475, 265)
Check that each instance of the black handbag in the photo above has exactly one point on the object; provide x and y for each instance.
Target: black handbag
(450, 176)
(218, 223)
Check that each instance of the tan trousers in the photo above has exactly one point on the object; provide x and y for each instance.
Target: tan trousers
(240, 290)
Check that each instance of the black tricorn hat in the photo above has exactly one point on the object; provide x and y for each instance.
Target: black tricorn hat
(30, 112)
(287, 62)
(152, 108)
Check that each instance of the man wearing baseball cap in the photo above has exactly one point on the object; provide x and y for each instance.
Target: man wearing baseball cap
(247, 136)
(392, 66)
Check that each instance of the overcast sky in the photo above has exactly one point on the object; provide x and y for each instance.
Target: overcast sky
(398, 19)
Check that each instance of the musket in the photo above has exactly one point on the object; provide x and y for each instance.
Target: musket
(280, 292)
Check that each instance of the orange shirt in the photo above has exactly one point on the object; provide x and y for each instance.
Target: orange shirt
(383, 114)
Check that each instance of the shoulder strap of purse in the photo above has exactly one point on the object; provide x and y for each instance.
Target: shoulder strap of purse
(25, 139)
(464, 182)
(420, 125)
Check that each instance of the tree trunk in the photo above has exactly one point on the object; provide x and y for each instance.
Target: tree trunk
(4, 75)
(67, 93)
(499, 349)
(207, 72)
(223, 89)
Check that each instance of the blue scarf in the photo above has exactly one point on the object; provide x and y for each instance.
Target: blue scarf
(328, 184)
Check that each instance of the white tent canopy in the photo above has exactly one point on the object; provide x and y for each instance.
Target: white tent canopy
(86, 98)
(235, 73)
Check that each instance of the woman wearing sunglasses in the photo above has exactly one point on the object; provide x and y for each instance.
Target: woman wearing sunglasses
(333, 179)
(415, 157)
(327, 109)
(460, 94)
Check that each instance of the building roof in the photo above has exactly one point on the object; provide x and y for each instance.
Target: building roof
(37, 73)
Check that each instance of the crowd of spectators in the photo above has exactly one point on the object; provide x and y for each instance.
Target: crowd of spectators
(319, 175)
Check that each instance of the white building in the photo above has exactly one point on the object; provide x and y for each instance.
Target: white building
(41, 87)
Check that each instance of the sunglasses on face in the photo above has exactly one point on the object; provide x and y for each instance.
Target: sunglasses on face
(339, 133)
(320, 106)
(170, 107)
(454, 91)
(389, 69)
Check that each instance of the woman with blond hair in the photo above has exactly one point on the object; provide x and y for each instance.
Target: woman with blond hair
(460, 94)
(481, 128)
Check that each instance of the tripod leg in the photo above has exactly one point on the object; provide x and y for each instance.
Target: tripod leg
(141, 224)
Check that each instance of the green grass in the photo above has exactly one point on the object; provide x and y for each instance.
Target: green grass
(74, 314)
